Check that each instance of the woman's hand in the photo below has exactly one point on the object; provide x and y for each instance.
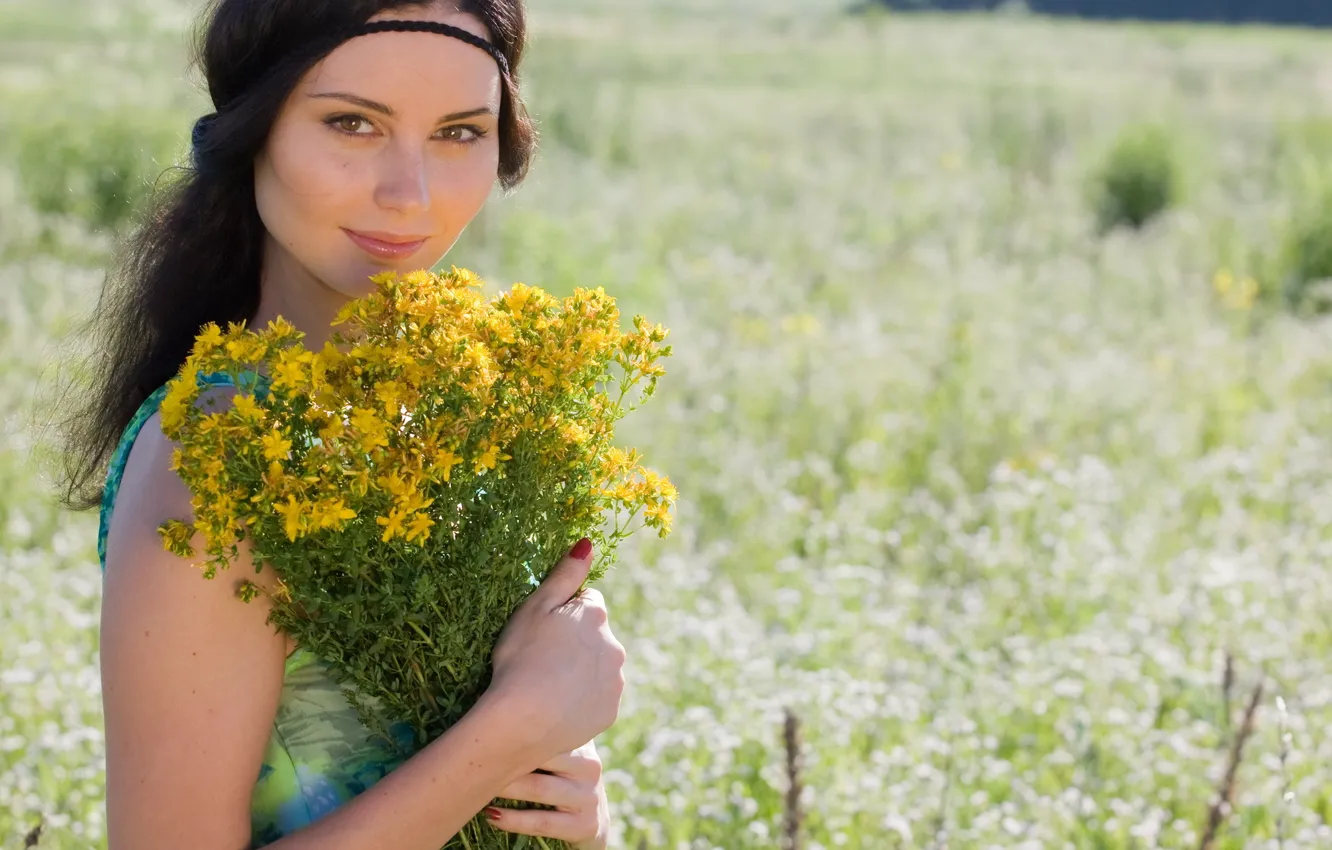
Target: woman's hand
(572, 784)
(558, 669)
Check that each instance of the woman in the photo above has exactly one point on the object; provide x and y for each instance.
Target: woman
(351, 137)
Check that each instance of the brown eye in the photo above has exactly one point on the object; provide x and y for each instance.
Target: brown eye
(462, 133)
(347, 123)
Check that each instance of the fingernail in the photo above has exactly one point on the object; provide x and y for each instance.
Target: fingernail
(581, 549)
(493, 813)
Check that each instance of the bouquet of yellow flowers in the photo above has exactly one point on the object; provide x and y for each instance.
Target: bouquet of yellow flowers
(413, 481)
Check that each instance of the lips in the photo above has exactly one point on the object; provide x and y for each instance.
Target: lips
(385, 245)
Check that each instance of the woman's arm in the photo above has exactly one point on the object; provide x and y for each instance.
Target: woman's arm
(424, 803)
(191, 681)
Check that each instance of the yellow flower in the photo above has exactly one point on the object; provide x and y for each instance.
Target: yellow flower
(208, 422)
(420, 277)
(331, 514)
(245, 407)
(276, 447)
(575, 433)
(414, 501)
(176, 537)
(209, 338)
(660, 487)
(479, 355)
(352, 309)
(545, 374)
(213, 468)
(222, 511)
(653, 482)
(396, 485)
(273, 478)
(445, 460)
(173, 414)
(618, 460)
(290, 369)
(658, 517)
(502, 327)
(373, 430)
(389, 394)
(392, 524)
(332, 429)
(489, 458)
(292, 513)
(319, 364)
(358, 480)
(419, 527)
(175, 405)
(280, 327)
(246, 348)
(518, 297)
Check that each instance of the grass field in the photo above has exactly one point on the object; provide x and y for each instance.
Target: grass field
(987, 498)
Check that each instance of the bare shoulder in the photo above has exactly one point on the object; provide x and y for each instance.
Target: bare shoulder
(151, 493)
(191, 675)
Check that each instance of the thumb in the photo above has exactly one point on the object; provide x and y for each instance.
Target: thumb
(564, 581)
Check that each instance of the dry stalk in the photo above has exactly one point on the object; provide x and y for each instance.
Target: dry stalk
(1226, 792)
(1227, 686)
(792, 825)
(941, 819)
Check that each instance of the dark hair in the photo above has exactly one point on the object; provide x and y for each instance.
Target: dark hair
(196, 258)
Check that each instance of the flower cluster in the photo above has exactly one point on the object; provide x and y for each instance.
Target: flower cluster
(433, 379)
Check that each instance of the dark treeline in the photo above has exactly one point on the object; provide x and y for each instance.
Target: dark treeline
(1295, 12)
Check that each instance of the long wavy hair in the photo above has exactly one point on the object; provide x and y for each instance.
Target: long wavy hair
(196, 256)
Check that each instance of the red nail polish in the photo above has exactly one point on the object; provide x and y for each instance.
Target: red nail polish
(493, 813)
(581, 549)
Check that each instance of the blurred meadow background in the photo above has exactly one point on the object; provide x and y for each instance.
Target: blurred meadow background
(1001, 411)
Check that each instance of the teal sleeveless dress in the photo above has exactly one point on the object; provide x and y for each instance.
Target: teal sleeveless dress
(319, 754)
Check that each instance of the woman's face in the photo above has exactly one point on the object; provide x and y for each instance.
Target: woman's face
(393, 137)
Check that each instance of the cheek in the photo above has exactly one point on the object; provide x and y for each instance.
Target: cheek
(301, 192)
(465, 186)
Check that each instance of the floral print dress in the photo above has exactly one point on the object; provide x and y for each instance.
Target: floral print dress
(319, 754)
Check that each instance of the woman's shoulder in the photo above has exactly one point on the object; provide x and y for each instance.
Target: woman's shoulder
(143, 452)
(143, 488)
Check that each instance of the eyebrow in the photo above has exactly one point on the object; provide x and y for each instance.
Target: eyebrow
(385, 109)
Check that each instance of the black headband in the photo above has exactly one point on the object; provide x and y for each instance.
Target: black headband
(432, 26)
(201, 126)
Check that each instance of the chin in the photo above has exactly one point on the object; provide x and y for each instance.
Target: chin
(359, 284)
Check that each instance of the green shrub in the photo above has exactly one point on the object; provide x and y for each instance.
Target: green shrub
(1302, 268)
(1140, 177)
(97, 167)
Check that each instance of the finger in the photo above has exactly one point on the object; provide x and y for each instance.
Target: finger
(589, 597)
(562, 826)
(582, 763)
(549, 790)
(563, 581)
(589, 606)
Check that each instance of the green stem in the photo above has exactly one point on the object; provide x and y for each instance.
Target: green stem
(423, 635)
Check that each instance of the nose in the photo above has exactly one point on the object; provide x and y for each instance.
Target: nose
(403, 182)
